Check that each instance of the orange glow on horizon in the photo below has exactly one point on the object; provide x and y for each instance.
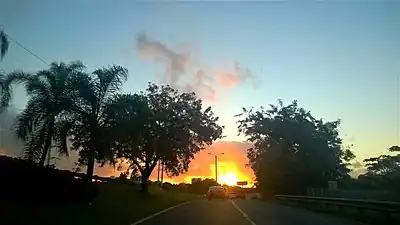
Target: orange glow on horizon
(229, 179)
(231, 165)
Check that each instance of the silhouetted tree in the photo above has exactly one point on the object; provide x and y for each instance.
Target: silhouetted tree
(85, 123)
(293, 150)
(161, 124)
(383, 171)
(384, 164)
(50, 96)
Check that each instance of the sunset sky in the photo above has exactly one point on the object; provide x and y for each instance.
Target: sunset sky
(339, 60)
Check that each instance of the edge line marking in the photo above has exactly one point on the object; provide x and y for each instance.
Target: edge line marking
(160, 212)
(243, 214)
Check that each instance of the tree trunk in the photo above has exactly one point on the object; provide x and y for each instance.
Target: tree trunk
(47, 144)
(90, 167)
(145, 184)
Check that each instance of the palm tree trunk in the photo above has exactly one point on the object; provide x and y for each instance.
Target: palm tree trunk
(90, 167)
(47, 144)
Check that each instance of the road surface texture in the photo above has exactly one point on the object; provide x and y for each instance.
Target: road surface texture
(241, 212)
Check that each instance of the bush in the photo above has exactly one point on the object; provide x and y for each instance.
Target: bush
(25, 180)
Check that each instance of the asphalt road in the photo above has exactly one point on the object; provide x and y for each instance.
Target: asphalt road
(241, 212)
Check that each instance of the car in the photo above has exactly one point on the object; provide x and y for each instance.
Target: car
(217, 192)
(241, 194)
(233, 194)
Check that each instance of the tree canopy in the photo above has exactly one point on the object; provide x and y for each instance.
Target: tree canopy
(103, 124)
(293, 150)
(49, 93)
(85, 123)
(161, 124)
(383, 172)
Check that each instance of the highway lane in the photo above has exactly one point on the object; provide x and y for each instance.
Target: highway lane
(241, 212)
(216, 212)
(264, 213)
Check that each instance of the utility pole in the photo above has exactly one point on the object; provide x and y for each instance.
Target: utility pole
(158, 171)
(162, 173)
(216, 165)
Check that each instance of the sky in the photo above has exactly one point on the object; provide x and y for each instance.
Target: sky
(339, 59)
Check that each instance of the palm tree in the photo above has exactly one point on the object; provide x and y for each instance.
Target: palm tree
(50, 93)
(4, 44)
(86, 123)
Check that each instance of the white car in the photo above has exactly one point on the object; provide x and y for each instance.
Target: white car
(217, 192)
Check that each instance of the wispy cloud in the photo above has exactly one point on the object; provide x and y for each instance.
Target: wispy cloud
(181, 71)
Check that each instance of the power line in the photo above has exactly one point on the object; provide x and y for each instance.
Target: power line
(23, 47)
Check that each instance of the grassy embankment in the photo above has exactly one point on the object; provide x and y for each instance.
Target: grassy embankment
(117, 204)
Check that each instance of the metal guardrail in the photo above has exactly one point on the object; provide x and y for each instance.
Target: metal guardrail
(383, 206)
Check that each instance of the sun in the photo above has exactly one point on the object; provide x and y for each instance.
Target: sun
(229, 179)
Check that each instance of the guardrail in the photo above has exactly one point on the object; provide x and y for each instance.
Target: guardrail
(386, 207)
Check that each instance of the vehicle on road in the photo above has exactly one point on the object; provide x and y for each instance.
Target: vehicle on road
(241, 194)
(217, 192)
(233, 195)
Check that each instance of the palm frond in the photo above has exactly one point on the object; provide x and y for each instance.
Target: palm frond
(83, 93)
(36, 86)
(4, 44)
(30, 118)
(61, 135)
(3, 91)
(34, 145)
(7, 81)
(109, 81)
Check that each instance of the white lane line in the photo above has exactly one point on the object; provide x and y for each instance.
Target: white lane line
(244, 214)
(158, 213)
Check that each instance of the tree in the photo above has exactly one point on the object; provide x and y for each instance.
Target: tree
(384, 164)
(49, 94)
(4, 44)
(161, 124)
(86, 123)
(291, 149)
(383, 171)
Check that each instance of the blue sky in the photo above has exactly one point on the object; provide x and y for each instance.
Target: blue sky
(339, 60)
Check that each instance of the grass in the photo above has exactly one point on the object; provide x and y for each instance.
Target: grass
(117, 204)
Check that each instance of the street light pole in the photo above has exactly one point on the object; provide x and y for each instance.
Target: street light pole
(216, 168)
(216, 165)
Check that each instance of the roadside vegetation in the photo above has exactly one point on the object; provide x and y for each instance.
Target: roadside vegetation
(117, 203)
(295, 153)
(72, 109)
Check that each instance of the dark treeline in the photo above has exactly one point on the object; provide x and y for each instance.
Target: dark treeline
(70, 109)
